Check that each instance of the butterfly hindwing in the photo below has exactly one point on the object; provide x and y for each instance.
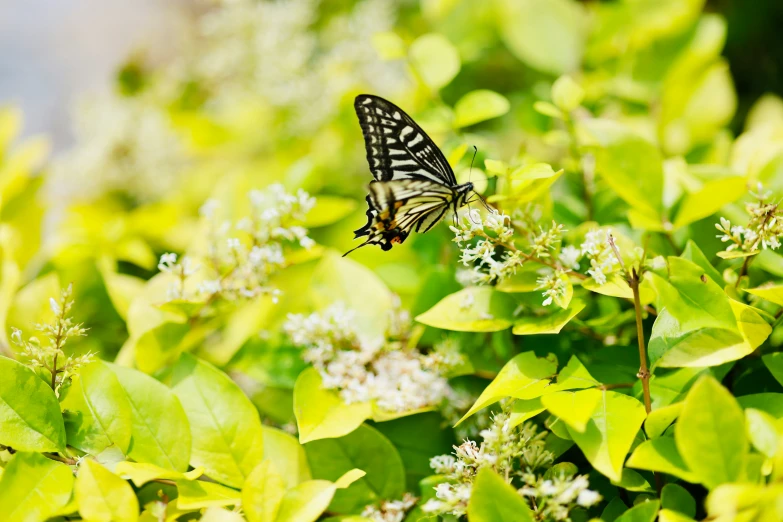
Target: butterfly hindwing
(397, 148)
(397, 207)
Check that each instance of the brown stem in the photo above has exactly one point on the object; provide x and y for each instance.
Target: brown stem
(54, 371)
(743, 270)
(644, 373)
(65, 460)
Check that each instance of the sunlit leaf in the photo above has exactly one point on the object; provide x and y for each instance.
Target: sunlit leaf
(102, 496)
(475, 309)
(435, 59)
(478, 106)
(321, 413)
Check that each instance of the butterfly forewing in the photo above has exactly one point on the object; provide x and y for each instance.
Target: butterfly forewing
(397, 148)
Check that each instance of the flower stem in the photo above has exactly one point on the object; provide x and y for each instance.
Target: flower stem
(644, 372)
(54, 371)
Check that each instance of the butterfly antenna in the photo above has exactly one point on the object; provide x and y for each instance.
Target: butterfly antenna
(470, 172)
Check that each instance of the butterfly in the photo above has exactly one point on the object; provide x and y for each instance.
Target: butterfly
(414, 185)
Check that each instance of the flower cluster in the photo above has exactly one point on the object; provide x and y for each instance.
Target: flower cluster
(599, 252)
(383, 369)
(519, 456)
(495, 233)
(390, 510)
(763, 231)
(507, 450)
(267, 52)
(555, 497)
(51, 356)
(124, 144)
(241, 257)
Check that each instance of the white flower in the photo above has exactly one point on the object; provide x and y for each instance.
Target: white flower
(209, 286)
(167, 262)
(587, 498)
(569, 257)
(233, 243)
(209, 209)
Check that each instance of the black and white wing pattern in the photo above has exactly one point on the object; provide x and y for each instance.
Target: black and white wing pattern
(398, 207)
(397, 148)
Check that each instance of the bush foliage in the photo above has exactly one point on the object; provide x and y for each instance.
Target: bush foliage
(182, 339)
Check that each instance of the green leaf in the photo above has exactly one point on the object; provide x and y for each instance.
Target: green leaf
(745, 502)
(694, 254)
(677, 498)
(287, 455)
(772, 293)
(34, 488)
(774, 363)
(140, 473)
(670, 346)
(307, 501)
(628, 163)
(667, 515)
(263, 493)
(762, 431)
(97, 412)
(365, 449)
(661, 418)
(340, 279)
(435, 60)
(474, 309)
(219, 514)
(610, 432)
(102, 496)
(548, 109)
(573, 408)
(548, 35)
(692, 298)
(567, 94)
(321, 413)
(523, 410)
(709, 199)
(614, 509)
(197, 494)
(478, 106)
(633, 481)
(492, 500)
(29, 411)
(574, 376)
(229, 441)
(771, 403)
(388, 45)
(548, 324)
(160, 430)
(736, 254)
(710, 433)
(661, 454)
(523, 377)
(642, 512)
(526, 183)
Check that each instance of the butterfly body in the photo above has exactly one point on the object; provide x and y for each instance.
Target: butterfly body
(414, 184)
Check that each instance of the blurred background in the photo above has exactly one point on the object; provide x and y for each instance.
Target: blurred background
(53, 52)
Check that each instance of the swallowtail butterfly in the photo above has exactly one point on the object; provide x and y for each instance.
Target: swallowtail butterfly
(414, 185)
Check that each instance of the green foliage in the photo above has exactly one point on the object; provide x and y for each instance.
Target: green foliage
(181, 339)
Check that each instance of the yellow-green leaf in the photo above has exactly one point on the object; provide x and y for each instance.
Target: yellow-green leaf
(435, 60)
(478, 106)
(573, 408)
(523, 377)
(29, 412)
(610, 432)
(493, 500)
(710, 433)
(661, 455)
(141, 472)
(772, 293)
(197, 494)
(321, 413)
(102, 496)
(34, 488)
(263, 493)
(550, 323)
(475, 309)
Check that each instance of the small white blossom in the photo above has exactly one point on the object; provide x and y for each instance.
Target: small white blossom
(569, 257)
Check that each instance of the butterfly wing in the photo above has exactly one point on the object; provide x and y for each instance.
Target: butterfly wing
(397, 148)
(397, 207)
